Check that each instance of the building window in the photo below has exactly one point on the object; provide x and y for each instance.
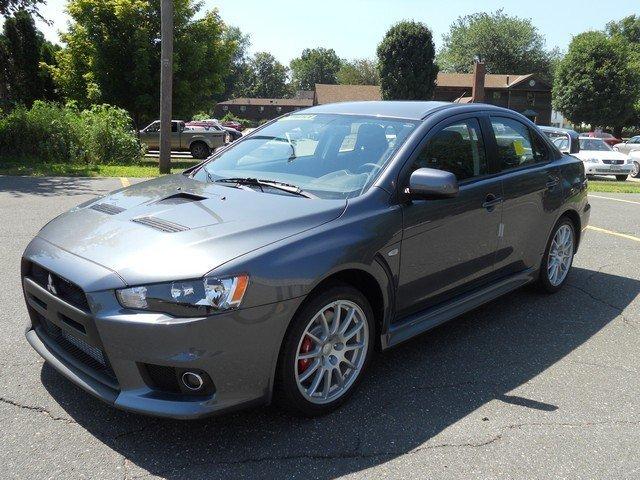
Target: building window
(225, 107)
(496, 95)
(279, 109)
(531, 99)
(262, 109)
(243, 108)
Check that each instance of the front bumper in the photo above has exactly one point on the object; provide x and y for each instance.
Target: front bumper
(238, 349)
(606, 169)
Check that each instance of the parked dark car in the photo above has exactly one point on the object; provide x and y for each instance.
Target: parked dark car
(232, 133)
(273, 269)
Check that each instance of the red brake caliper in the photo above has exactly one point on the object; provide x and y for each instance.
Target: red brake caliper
(305, 348)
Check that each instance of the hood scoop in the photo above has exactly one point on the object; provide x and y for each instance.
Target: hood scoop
(179, 198)
(107, 208)
(159, 224)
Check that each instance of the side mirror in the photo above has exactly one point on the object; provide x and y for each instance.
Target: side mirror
(429, 182)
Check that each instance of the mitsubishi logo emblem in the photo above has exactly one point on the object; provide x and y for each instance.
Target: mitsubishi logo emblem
(50, 285)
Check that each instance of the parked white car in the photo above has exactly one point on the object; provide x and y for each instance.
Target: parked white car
(600, 159)
(635, 159)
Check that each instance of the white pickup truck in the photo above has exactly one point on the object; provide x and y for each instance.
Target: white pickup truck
(197, 140)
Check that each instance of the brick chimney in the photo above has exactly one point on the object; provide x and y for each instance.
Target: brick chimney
(477, 92)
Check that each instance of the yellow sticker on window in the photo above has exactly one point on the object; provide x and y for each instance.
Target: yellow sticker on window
(517, 145)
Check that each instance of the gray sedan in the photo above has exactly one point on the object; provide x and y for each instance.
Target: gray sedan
(273, 270)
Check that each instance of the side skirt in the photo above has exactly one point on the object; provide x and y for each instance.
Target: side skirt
(432, 317)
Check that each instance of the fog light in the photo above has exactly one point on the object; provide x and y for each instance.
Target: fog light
(193, 381)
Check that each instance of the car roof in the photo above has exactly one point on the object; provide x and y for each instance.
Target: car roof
(410, 110)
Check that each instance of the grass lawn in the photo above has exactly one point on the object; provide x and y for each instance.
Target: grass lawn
(144, 168)
(614, 186)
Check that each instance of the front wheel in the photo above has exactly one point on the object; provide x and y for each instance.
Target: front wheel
(325, 351)
(621, 178)
(635, 173)
(558, 256)
(200, 150)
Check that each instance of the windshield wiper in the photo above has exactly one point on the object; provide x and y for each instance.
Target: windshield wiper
(256, 182)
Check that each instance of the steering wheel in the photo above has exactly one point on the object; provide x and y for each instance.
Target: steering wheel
(372, 168)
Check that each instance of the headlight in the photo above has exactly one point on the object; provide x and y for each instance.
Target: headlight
(187, 298)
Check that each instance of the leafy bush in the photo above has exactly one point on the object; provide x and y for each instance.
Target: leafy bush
(230, 117)
(50, 132)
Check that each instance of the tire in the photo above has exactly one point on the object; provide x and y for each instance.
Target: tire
(621, 178)
(296, 377)
(635, 173)
(200, 150)
(547, 282)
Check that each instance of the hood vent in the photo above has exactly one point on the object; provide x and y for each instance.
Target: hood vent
(159, 224)
(180, 198)
(107, 208)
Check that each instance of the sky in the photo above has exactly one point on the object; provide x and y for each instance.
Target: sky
(353, 28)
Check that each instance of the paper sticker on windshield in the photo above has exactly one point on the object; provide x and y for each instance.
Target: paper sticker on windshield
(517, 145)
(298, 117)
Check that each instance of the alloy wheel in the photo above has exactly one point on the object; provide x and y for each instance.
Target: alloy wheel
(635, 173)
(331, 352)
(560, 255)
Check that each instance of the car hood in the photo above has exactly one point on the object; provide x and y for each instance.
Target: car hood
(175, 227)
(600, 155)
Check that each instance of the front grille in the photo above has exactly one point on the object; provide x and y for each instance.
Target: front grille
(613, 162)
(162, 378)
(91, 356)
(62, 288)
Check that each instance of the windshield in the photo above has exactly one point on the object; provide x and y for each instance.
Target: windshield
(329, 156)
(594, 144)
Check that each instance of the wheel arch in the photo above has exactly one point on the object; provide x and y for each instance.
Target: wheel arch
(573, 215)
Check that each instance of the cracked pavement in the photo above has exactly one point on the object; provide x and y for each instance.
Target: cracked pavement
(528, 386)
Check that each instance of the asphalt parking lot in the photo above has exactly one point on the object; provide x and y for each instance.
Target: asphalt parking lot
(529, 386)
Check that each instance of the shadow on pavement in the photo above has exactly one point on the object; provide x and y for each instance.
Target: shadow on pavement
(411, 394)
(57, 186)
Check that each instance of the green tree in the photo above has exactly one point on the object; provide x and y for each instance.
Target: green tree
(315, 65)
(9, 7)
(628, 29)
(405, 62)
(504, 43)
(358, 72)
(22, 51)
(268, 77)
(595, 82)
(238, 73)
(112, 55)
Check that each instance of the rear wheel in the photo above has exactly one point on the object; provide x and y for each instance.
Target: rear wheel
(558, 257)
(621, 178)
(325, 352)
(200, 150)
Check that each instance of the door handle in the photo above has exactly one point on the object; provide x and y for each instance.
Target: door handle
(552, 182)
(491, 201)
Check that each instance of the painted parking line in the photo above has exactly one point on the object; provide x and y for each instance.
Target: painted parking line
(125, 181)
(614, 199)
(615, 234)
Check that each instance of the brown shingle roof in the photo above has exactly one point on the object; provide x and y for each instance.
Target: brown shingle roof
(491, 80)
(346, 93)
(284, 102)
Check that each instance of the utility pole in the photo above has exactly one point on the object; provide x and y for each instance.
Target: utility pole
(166, 82)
